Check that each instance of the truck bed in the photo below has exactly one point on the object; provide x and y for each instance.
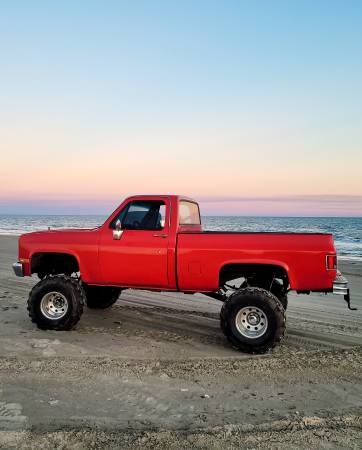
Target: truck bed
(201, 255)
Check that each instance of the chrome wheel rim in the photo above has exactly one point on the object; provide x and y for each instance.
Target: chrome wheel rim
(54, 305)
(251, 322)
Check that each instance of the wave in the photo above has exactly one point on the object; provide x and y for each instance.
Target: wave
(347, 231)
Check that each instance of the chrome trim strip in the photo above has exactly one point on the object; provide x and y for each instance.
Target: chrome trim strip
(18, 269)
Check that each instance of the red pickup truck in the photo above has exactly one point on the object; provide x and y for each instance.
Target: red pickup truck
(157, 243)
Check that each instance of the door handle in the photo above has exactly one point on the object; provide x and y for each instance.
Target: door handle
(164, 236)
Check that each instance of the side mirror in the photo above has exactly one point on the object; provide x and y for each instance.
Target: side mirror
(117, 232)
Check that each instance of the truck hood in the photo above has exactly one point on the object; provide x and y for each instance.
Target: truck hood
(57, 240)
(51, 233)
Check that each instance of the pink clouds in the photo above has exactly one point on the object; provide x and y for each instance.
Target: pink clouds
(298, 205)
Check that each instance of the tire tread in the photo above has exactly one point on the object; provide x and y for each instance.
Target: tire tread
(76, 312)
(274, 303)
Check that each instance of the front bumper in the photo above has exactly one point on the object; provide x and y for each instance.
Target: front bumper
(340, 287)
(18, 269)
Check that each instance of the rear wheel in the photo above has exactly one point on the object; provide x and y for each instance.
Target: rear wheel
(101, 297)
(253, 320)
(56, 303)
(281, 294)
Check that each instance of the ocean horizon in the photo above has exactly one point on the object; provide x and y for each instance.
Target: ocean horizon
(347, 231)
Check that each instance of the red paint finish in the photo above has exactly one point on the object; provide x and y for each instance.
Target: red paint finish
(303, 256)
(82, 244)
(139, 258)
(181, 257)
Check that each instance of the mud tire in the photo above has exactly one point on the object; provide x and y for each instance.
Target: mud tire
(70, 288)
(101, 297)
(279, 292)
(270, 306)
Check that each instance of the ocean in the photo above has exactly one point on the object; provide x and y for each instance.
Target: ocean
(347, 231)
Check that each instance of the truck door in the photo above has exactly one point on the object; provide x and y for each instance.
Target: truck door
(133, 247)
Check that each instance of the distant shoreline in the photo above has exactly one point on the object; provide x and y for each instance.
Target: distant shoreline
(347, 231)
(202, 216)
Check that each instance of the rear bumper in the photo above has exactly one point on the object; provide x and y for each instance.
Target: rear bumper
(340, 287)
(340, 284)
(18, 269)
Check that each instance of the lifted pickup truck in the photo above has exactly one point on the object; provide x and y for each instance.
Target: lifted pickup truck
(157, 243)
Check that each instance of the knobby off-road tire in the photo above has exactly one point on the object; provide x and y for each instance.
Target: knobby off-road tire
(279, 292)
(101, 297)
(56, 302)
(253, 320)
(283, 298)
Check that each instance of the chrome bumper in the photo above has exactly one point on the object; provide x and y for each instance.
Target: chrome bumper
(18, 269)
(340, 284)
(340, 287)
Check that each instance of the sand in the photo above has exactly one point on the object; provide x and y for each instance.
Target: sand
(155, 371)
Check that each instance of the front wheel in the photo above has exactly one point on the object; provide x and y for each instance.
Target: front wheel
(56, 303)
(253, 320)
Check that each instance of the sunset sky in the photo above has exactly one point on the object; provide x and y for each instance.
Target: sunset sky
(251, 107)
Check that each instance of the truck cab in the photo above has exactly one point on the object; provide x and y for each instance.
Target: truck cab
(141, 238)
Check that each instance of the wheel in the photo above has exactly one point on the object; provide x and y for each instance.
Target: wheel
(283, 298)
(279, 292)
(56, 303)
(101, 297)
(253, 320)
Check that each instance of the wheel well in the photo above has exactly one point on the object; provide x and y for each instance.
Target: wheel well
(53, 263)
(261, 275)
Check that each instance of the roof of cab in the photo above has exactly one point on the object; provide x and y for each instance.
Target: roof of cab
(170, 196)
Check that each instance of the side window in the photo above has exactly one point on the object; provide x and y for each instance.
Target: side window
(189, 213)
(142, 215)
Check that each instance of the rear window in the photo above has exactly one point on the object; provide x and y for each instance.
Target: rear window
(189, 213)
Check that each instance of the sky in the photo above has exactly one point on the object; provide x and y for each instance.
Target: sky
(251, 107)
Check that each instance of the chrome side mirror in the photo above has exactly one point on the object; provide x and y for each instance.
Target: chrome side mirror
(117, 232)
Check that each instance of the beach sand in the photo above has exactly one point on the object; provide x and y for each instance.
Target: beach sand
(155, 371)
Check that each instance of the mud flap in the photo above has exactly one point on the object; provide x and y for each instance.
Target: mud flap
(347, 298)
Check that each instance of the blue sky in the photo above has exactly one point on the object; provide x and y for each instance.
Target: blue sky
(212, 99)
